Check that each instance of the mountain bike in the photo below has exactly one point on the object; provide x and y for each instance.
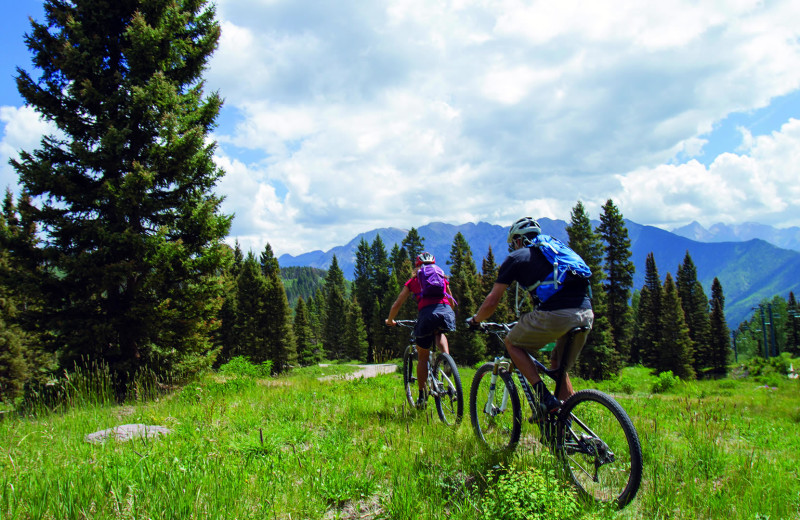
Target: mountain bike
(590, 434)
(443, 384)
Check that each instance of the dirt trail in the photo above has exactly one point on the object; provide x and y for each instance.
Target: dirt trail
(365, 371)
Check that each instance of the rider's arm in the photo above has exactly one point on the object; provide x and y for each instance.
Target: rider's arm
(491, 302)
(401, 299)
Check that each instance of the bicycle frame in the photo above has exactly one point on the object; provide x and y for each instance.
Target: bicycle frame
(433, 388)
(557, 373)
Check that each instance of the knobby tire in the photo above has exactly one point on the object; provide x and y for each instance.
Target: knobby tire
(592, 425)
(498, 429)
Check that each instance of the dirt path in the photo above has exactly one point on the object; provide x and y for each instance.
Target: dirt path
(365, 371)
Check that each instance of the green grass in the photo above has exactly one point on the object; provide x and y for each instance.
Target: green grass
(296, 447)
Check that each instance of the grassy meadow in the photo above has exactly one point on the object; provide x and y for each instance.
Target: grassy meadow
(296, 447)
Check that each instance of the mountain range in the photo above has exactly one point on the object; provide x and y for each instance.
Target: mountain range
(750, 270)
(786, 238)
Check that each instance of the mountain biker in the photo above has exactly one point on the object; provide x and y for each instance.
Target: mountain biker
(569, 307)
(435, 316)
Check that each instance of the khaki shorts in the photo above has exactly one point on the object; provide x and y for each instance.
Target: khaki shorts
(538, 328)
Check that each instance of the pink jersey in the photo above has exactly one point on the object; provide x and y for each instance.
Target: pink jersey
(416, 290)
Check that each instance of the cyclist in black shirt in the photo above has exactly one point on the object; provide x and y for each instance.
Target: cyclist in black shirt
(568, 308)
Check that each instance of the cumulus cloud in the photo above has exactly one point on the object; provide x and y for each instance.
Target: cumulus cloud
(23, 130)
(341, 117)
(759, 184)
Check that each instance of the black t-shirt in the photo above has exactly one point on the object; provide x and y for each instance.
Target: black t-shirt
(528, 265)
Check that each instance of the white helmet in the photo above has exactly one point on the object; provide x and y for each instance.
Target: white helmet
(525, 228)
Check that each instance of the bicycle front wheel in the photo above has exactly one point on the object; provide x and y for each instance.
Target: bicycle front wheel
(495, 413)
(600, 447)
(410, 374)
(447, 390)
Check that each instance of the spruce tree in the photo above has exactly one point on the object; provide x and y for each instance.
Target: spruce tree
(123, 195)
(648, 318)
(280, 337)
(252, 315)
(598, 359)
(489, 269)
(307, 353)
(793, 332)
(674, 344)
(468, 347)
(619, 271)
(333, 331)
(695, 309)
(355, 334)
(413, 244)
(720, 340)
(13, 369)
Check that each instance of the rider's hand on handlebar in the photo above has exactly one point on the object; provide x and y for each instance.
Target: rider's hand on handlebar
(391, 323)
(472, 324)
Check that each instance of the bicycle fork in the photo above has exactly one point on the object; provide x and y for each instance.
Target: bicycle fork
(489, 408)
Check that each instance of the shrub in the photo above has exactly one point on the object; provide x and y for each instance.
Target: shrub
(241, 366)
(531, 492)
(665, 382)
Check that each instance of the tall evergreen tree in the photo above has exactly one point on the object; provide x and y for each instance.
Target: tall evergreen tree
(123, 196)
(13, 369)
(413, 244)
(488, 277)
(674, 344)
(280, 336)
(619, 271)
(648, 318)
(307, 353)
(695, 309)
(598, 359)
(355, 334)
(333, 335)
(793, 333)
(720, 340)
(252, 314)
(468, 347)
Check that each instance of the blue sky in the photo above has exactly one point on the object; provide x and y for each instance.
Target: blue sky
(342, 117)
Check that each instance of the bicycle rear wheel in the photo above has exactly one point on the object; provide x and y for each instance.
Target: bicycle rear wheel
(497, 426)
(448, 394)
(410, 374)
(600, 447)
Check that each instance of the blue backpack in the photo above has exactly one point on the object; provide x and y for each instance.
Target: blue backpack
(431, 281)
(565, 261)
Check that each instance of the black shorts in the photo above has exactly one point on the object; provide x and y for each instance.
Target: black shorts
(431, 319)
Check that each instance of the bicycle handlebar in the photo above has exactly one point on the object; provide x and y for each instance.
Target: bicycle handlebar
(495, 328)
(406, 323)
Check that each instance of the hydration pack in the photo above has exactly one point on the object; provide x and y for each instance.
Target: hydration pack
(431, 281)
(565, 261)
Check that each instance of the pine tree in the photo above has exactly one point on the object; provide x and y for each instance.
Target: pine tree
(355, 337)
(695, 309)
(13, 369)
(413, 244)
(674, 344)
(468, 347)
(648, 318)
(598, 359)
(252, 315)
(619, 271)
(793, 332)
(307, 354)
(280, 337)
(720, 341)
(132, 229)
(489, 268)
(333, 335)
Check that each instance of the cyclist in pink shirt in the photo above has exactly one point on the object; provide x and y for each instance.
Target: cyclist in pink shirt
(435, 316)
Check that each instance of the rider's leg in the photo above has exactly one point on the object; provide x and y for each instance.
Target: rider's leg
(525, 364)
(422, 368)
(441, 343)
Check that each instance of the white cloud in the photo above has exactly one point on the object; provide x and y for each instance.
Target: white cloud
(758, 185)
(24, 129)
(344, 117)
